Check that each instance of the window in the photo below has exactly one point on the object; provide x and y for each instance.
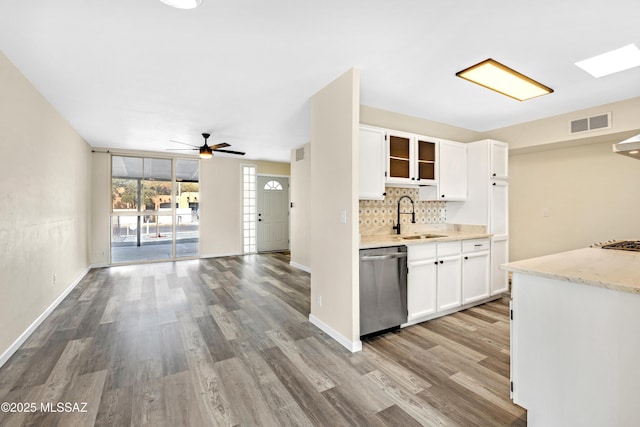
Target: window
(273, 185)
(249, 208)
(144, 225)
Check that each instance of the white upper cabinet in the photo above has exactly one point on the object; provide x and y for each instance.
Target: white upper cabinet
(426, 160)
(411, 159)
(499, 160)
(372, 163)
(453, 171)
(400, 158)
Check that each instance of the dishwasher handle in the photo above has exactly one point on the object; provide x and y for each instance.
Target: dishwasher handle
(383, 257)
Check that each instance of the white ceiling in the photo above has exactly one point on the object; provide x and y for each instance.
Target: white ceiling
(135, 74)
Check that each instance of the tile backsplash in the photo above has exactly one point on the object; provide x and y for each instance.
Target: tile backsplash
(378, 216)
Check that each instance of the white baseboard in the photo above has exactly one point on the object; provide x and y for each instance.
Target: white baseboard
(352, 346)
(98, 265)
(300, 266)
(222, 255)
(27, 333)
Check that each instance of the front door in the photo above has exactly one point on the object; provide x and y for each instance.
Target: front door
(273, 213)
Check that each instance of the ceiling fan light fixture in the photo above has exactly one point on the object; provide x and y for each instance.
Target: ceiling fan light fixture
(206, 153)
(502, 79)
(182, 4)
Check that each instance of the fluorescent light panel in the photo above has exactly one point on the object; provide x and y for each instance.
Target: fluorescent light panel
(611, 62)
(182, 4)
(502, 79)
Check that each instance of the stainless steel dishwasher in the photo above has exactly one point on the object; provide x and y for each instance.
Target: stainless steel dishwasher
(383, 288)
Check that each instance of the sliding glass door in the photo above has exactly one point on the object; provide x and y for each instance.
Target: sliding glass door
(152, 216)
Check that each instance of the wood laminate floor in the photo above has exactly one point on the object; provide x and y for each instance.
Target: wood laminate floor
(227, 341)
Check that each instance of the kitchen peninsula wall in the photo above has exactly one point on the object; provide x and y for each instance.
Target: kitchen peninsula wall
(379, 216)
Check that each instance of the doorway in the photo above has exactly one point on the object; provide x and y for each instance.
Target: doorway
(273, 213)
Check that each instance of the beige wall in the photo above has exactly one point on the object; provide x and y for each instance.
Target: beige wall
(301, 210)
(591, 194)
(99, 237)
(44, 213)
(390, 120)
(221, 202)
(334, 188)
(554, 131)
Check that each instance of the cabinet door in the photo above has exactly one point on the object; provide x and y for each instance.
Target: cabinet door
(421, 291)
(499, 160)
(499, 255)
(475, 276)
(452, 180)
(426, 160)
(449, 282)
(371, 168)
(400, 158)
(499, 208)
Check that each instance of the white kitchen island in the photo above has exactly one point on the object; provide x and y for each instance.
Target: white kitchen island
(575, 338)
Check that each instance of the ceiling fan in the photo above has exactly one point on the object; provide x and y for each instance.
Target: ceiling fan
(206, 151)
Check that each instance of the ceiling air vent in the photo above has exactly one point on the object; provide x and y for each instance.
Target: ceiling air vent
(300, 154)
(600, 121)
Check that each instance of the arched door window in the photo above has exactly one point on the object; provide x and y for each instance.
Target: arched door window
(273, 185)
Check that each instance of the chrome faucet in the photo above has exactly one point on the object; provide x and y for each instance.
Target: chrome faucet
(413, 214)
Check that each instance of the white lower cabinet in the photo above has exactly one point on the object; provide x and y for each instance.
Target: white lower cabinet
(499, 255)
(449, 282)
(447, 275)
(475, 270)
(421, 291)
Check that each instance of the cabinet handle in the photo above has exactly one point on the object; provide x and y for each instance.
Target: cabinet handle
(477, 245)
(442, 195)
(384, 194)
(466, 257)
(413, 179)
(494, 174)
(436, 263)
(494, 183)
(441, 262)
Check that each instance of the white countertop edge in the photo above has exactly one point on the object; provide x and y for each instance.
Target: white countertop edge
(395, 240)
(610, 269)
(621, 287)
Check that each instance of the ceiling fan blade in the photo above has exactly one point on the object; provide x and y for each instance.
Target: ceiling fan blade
(181, 149)
(221, 145)
(229, 151)
(183, 143)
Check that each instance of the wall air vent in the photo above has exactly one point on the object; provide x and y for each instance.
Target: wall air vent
(597, 122)
(300, 154)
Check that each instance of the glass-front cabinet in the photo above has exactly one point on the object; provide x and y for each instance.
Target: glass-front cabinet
(400, 150)
(426, 161)
(411, 159)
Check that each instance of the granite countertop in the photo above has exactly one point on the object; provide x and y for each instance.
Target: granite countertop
(446, 234)
(605, 268)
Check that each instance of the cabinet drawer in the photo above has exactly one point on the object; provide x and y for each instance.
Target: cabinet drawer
(475, 245)
(426, 251)
(448, 248)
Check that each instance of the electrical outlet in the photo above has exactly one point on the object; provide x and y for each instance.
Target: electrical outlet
(319, 300)
(55, 278)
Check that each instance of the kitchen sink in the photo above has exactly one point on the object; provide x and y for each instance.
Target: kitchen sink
(423, 236)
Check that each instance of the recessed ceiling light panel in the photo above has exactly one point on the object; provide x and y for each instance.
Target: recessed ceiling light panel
(500, 78)
(612, 62)
(182, 4)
